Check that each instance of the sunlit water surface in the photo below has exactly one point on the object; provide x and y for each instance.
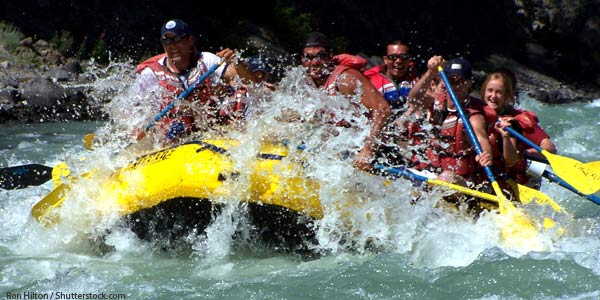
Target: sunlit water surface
(378, 247)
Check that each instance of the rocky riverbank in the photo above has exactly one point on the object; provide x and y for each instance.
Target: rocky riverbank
(55, 89)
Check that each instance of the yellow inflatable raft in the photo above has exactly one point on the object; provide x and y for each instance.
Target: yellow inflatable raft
(166, 193)
(170, 193)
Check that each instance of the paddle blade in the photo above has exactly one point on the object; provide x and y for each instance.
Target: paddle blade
(45, 210)
(88, 139)
(518, 230)
(595, 165)
(527, 195)
(575, 173)
(19, 177)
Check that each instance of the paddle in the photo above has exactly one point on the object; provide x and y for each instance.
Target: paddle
(406, 173)
(595, 165)
(184, 94)
(89, 138)
(19, 177)
(527, 195)
(552, 177)
(581, 177)
(518, 228)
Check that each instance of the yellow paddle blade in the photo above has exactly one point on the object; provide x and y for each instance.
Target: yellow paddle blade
(527, 195)
(518, 230)
(54, 199)
(594, 165)
(575, 173)
(88, 139)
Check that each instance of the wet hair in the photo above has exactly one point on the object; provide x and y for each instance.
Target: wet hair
(510, 74)
(316, 39)
(509, 88)
(513, 80)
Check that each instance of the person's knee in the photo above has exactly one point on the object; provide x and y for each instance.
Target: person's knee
(449, 176)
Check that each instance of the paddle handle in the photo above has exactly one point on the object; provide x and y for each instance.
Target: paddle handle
(406, 173)
(183, 94)
(466, 122)
(402, 171)
(523, 139)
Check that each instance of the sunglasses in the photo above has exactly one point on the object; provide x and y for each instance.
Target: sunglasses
(175, 39)
(393, 57)
(322, 55)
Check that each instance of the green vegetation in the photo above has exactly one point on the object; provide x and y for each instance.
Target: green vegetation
(290, 25)
(63, 41)
(100, 51)
(9, 36)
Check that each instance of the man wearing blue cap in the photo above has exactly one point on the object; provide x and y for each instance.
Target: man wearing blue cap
(179, 67)
(451, 150)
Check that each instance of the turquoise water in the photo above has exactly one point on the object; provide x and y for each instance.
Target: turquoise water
(417, 251)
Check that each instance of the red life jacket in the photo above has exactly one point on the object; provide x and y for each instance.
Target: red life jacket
(394, 93)
(344, 62)
(419, 141)
(522, 124)
(452, 147)
(169, 80)
(528, 123)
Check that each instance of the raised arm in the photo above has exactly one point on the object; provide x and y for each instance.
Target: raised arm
(419, 96)
(236, 68)
(379, 109)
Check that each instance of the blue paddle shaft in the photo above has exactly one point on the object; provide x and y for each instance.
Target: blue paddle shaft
(552, 177)
(402, 171)
(466, 123)
(183, 94)
(523, 139)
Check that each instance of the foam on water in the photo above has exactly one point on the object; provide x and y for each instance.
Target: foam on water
(364, 214)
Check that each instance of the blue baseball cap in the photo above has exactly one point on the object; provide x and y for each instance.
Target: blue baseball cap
(258, 63)
(175, 26)
(458, 66)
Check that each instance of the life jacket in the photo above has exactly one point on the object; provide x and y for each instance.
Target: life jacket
(452, 149)
(343, 62)
(527, 125)
(419, 144)
(180, 119)
(521, 121)
(394, 93)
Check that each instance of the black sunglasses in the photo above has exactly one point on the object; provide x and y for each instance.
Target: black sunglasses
(320, 55)
(175, 39)
(396, 56)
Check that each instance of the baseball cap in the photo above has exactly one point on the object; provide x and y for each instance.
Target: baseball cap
(176, 26)
(258, 63)
(316, 39)
(458, 66)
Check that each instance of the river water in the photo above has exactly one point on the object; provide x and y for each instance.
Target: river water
(401, 251)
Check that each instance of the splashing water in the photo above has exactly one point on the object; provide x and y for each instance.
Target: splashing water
(368, 231)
